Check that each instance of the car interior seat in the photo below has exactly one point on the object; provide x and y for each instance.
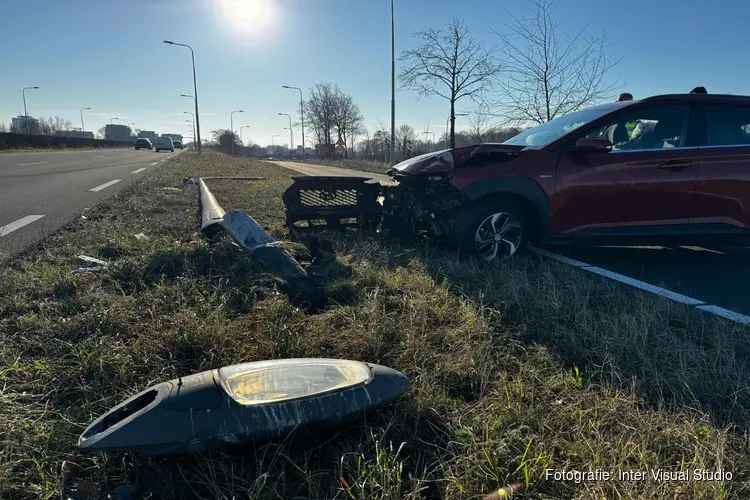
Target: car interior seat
(617, 134)
(666, 134)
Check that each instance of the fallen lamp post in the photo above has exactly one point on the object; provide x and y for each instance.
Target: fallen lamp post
(245, 403)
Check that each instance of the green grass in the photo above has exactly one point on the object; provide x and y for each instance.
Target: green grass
(514, 369)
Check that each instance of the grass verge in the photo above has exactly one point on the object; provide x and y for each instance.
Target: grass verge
(515, 370)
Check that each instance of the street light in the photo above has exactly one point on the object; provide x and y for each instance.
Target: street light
(447, 125)
(82, 126)
(302, 116)
(231, 125)
(272, 137)
(110, 120)
(393, 89)
(192, 115)
(291, 135)
(243, 126)
(25, 113)
(195, 90)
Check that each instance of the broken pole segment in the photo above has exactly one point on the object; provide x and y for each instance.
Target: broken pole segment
(211, 213)
(261, 246)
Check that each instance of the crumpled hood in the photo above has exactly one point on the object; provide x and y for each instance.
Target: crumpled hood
(448, 159)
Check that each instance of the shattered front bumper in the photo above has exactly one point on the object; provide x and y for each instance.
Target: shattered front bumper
(342, 201)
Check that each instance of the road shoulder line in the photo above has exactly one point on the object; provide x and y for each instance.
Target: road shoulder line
(647, 287)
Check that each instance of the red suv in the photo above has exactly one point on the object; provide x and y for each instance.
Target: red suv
(669, 169)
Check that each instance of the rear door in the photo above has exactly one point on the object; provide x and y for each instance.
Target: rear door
(646, 180)
(722, 194)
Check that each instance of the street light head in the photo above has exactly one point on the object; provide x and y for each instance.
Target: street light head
(285, 87)
(169, 42)
(34, 87)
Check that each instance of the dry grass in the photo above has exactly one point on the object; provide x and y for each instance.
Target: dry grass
(515, 369)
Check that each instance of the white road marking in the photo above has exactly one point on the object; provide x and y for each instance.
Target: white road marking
(7, 229)
(35, 163)
(152, 164)
(561, 258)
(726, 313)
(105, 185)
(656, 290)
(139, 170)
(99, 156)
(647, 287)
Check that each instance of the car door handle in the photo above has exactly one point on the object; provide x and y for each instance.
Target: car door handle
(675, 165)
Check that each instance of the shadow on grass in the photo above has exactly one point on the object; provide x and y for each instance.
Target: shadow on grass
(606, 333)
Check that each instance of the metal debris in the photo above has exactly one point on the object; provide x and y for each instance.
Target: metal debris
(93, 260)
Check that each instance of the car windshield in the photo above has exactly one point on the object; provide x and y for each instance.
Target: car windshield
(552, 130)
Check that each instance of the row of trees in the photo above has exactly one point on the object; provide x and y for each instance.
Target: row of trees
(42, 126)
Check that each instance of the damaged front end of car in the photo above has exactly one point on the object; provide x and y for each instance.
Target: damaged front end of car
(418, 200)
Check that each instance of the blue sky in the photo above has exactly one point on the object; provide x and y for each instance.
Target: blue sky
(109, 55)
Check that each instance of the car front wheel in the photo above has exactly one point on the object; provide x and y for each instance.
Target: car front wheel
(493, 232)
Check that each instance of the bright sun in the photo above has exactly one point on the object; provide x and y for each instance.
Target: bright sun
(251, 17)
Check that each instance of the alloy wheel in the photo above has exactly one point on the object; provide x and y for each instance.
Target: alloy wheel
(498, 237)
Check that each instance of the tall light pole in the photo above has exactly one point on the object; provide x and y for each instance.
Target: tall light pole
(195, 91)
(82, 126)
(191, 114)
(231, 126)
(241, 127)
(302, 116)
(291, 135)
(272, 137)
(447, 130)
(110, 120)
(25, 113)
(433, 138)
(393, 88)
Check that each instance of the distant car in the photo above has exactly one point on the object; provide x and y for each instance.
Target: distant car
(177, 144)
(164, 143)
(143, 143)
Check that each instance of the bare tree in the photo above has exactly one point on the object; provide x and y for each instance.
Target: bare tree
(3, 128)
(480, 128)
(101, 133)
(223, 139)
(450, 64)
(347, 118)
(320, 108)
(550, 73)
(406, 138)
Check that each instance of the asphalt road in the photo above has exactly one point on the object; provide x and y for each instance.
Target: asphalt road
(313, 169)
(717, 276)
(39, 192)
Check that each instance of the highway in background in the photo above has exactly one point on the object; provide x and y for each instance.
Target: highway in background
(40, 192)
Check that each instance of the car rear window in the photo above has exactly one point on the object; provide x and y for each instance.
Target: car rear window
(727, 126)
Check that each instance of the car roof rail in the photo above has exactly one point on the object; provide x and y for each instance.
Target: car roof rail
(728, 97)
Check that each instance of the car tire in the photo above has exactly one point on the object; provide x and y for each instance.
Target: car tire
(493, 231)
(171, 150)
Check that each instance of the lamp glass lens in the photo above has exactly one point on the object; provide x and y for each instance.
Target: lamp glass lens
(275, 381)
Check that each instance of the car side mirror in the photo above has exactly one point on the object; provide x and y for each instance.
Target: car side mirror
(593, 145)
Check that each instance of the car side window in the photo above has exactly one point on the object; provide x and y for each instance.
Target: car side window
(658, 127)
(727, 126)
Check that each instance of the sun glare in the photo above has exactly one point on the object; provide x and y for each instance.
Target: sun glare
(249, 17)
